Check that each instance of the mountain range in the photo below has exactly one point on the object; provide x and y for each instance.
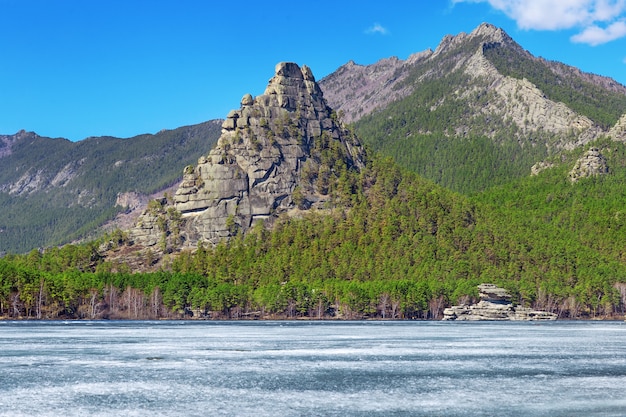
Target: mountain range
(477, 112)
(390, 190)
(53, 191)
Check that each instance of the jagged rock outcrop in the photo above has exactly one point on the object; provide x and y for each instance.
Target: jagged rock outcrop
(592, 163)
(618, 132)
(495, 304)
(276, 153)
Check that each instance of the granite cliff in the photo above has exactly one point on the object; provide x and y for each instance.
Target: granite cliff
(279, 152)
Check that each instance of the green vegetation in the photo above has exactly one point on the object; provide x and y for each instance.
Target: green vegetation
(447, 204)
(406, 248)
(80, 181)
(597, 103)
(421, 132)
(445, 130)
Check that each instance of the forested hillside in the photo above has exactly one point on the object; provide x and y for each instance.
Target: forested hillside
(53, 191)
(421, 133)
(403, 248)
(477, 112)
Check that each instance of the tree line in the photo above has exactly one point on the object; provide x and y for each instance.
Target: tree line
(402, 248)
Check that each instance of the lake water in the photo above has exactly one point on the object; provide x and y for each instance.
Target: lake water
(312, 369)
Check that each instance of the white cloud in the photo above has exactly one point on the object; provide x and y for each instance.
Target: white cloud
(607, 10)
(566, 14)
(594, 35)
(377, 28)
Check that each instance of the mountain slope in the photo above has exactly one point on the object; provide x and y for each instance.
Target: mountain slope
(407, 248)
(476, 112)
(383, 243)
(54, 190)
(281, 152)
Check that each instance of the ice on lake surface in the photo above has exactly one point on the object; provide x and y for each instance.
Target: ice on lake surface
(312, 369)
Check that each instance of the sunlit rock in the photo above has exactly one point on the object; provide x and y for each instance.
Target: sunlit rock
(495, 304)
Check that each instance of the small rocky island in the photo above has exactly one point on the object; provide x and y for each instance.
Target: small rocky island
(495, 304)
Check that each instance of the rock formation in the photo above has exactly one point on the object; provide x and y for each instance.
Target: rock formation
(495, 304)
(590, 164)
(519, 100)
(540, 166)
(278, 152)
(618, 132)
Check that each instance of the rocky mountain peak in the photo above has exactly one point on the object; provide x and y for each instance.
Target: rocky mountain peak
(291, 80)
(278, 152)
(7, 141)
(486, 33)
(491, 33)
(359, 90)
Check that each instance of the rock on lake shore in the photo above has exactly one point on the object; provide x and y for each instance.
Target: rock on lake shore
(495, 304)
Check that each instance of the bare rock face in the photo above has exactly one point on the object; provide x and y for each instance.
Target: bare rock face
(618, 132)
(495, 305)
(358, 90)
(276, 153)
(493, 294)
(592, 163)
(521, 101)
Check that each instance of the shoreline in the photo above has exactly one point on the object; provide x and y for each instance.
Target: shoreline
(298, 319)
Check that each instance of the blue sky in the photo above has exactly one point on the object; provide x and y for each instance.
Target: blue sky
(79, 68)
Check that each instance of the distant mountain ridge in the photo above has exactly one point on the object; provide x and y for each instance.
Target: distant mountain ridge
(476, 112)
(359, 90)
(55, 190)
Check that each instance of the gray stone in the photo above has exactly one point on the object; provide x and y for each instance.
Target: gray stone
(247, 100)
(540, 166)
(495, 304)
(618, 132)
(592, 163)
(257, 162)
(229, 124)
(493, 293)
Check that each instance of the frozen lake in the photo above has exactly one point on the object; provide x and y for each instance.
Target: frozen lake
(312, 369)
